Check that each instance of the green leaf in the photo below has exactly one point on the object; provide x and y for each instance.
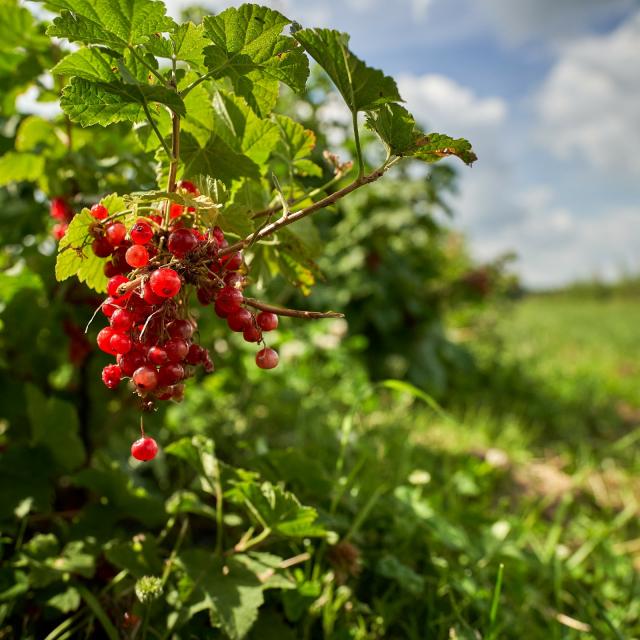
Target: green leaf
(187, 43)
(65, 601)
(54, 424)
(20, 167)
(115, 23)
(242, 130)
(278, 509)
(248, 48)
(363, 88)
(397, 128)
(232, 592)
(247, 198)
(97, 65)
(139, 557)
(215, 159)
(15, 281)
(199, 453)
(75, 257)
(106, 103)
(189, 502)
(39, 135)
(295, 145)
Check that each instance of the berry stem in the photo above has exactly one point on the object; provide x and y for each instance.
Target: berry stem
(142, 427)
(292, 313)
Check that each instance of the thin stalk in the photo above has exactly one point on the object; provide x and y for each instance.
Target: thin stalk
(356, 137)
(292, 313)
(165, 146)
(142, 61)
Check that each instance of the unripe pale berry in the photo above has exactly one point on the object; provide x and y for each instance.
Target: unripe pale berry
(267, 358)
(144, 449)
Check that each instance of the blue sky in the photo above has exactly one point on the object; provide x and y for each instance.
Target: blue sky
(549, 93)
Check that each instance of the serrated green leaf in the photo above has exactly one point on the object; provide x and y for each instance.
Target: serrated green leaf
(247, 198)
(75, 257)
(90, 63)
(295, 145)
(249, 48)
(241, 129)
(280, 510)
(363, 88)
(116, 23)
(20, 167)
(187, 43)
(103, 103)
(397, 128)
(232, 592)
(215, 159)
(16, 25)
(54, 425)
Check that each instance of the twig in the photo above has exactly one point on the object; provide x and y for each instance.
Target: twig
(292, 313)
(284, 221)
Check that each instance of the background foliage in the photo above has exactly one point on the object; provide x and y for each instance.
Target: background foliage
(443, 465)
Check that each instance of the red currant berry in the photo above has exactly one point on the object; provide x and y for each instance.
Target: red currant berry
(99, 212)
(221, 313)
(141, 232)
(59, 230)
(116, 233)
(130, 362)
(234, 280)
(229, 299)
(267, 358)
(218, 236)
(239, 319)
(267, 321)
(111, 269)
(145, 378)
(137, 256)
(121, 320)
(60, 210)
(111, 376)
(165, 282)
(144, 449)
(205, 295)
(109, 307)
(176, 349)
(157, 356)
(180, 329)
(232, 262)
(170, 374)
(188, 186)
(196, 354)
(121, 343)
(181, 242)
(251, 333)
(102, 247)
(114, 283)
(149, 296)
(176, 210)
(104, 340)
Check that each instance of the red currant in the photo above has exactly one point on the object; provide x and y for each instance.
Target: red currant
(157, 355)
(188, 186)
(232, 262)
(267, 321)
(144, 449)
(59, 230)
(176, 210)
(170, 374)
(141, 232)
(145, 378)
(196, 354)
(165, 282)
(137, 256)
(111, 376)
(114, 283)
(102, 247)
(251, 333)
(121, 320)
(104, 340)
(130, 362)
(176, 349)
(180, 329)
(267, 358)
(116, 233)
(60, 210)
(239, 319)
(149, 296)
(181, 242)
(121, 343)
(229, 299)
(99, 212)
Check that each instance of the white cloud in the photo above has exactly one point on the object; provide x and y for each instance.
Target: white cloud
(589, 104)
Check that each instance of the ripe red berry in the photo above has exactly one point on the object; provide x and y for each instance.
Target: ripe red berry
(196, 354)
(180, 329)
(116, 233)
(170, 373)
(60, 210)
(109, 307)
(188, 186)
(165, 282)
(141, 232)
(181, 242)
(251, 333)
(102, 247)
(114, 283)
(104, 340)
(111, 269)
(144, 449)
(267, 321)
(239, 319)
(267, 358)
(232, 262)
(99, 212)
(149, 296)
(111, 376)
(121, 320)
(229, 299)
(137, 256)
(145, 378)
(157, 355)
(176, 210)
(177, 349)
(218, 236)
(121, 343)
(59, 230)
(130, 362)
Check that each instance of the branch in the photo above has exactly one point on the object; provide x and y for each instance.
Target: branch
(292, 313)
(284, 221)
(175, 152)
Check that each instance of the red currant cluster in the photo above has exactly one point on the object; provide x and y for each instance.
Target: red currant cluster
(150, 267)
(60, 210)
